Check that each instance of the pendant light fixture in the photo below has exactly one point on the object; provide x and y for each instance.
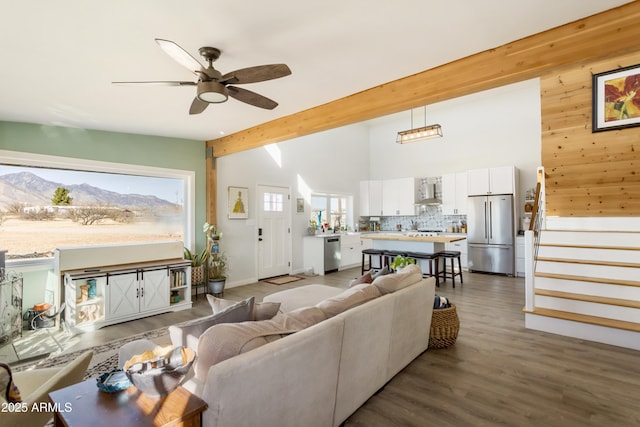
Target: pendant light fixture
(419, 134)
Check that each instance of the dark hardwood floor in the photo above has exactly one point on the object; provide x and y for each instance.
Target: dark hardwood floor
(497, 374)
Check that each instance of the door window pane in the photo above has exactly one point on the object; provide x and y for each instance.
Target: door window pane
(273, 202)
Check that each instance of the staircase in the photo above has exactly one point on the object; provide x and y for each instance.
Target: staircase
(586, 285)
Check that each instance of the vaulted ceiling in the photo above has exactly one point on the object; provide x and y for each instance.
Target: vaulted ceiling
(61, 56)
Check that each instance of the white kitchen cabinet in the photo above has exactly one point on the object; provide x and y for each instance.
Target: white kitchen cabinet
(350, 250)
(454, 193)
(371, 198)
(399, 196)
(460, 246)
(500, 180)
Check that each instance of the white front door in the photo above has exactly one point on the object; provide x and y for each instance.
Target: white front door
(274, 231)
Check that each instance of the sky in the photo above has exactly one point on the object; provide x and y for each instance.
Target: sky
(168, 189)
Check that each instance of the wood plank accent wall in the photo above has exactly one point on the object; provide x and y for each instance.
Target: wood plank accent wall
(587, 174)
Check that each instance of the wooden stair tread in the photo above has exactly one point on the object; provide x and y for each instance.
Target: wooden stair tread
(605, 281)
(613, 248)
(590, 262)
(618, 302)
(583, 318)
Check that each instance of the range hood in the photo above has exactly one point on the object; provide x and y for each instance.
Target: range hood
(428, 194)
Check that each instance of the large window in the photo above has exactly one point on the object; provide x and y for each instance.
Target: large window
(331, 211)
(49, 202)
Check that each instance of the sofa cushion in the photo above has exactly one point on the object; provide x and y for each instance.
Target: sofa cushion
(261, 310)
(352, 297)
(300, 319)
(403, 278)
(187, 334)
(302, 296)
(224, 341)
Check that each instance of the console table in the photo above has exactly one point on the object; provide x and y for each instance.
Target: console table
(84, 405)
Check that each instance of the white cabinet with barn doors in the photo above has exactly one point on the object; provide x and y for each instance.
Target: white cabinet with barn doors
(100, 295)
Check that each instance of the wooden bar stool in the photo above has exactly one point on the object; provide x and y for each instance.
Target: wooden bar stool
(451, 255)
(379, 253)
(433, 260)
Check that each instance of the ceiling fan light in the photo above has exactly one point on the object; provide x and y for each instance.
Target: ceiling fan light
(212, 92)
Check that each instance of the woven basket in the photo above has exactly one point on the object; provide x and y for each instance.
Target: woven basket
(444, 327)
(197, 275)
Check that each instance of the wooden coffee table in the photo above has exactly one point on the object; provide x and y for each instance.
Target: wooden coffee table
(82, 405)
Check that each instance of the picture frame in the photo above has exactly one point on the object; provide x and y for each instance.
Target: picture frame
(616, 99)
(300, 205)
(238, 207)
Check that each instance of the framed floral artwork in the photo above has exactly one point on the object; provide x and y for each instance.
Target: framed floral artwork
(616, 99)
(238, 203)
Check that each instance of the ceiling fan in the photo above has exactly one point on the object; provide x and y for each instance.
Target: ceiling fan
(212, 86)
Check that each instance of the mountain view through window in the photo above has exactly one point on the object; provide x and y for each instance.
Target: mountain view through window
(43, 209)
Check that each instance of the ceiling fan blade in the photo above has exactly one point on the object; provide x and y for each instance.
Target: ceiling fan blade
(197, 106)
(251, 98)
(180, 55)
(256, 74)
(156, 83)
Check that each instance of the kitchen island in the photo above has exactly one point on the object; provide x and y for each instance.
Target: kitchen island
(410, 242)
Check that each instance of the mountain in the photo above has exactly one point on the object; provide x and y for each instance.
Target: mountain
(32, 190)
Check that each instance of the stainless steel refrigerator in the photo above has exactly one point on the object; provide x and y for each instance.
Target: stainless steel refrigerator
(490, 235)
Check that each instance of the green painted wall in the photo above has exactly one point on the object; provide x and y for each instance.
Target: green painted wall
(146, 150)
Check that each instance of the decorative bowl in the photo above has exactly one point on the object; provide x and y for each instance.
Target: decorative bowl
(159, 377)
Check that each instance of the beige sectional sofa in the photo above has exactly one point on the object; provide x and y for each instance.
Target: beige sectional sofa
(319, 361)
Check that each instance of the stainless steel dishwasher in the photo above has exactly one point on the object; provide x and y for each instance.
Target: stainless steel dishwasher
(331, 253)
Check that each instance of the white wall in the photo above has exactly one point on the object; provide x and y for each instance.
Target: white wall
(500, 127)
(493, 128)
(334, 161)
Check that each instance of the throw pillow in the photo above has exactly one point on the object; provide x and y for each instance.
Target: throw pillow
(9, 391)
(265, 310)
(386, 270)
(188, 333)
(352, 297)
(403, 278)
(366, 278)
(261, 310)
(219, 304)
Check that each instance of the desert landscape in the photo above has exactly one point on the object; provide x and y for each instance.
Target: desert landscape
(29, 239)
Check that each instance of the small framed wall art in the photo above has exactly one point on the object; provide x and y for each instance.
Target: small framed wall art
(238, 203)
(616, 99)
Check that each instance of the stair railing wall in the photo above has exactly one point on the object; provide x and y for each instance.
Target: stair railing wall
(532, 241)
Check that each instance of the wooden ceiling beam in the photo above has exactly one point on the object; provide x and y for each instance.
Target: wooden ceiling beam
(609, 33)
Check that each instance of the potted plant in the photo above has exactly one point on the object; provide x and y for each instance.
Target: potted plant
(313, 227)
(217, 262)
(401, 262)
(217, 273)
(197, 265)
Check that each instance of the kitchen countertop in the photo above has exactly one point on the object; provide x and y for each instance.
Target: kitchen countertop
(407, 238)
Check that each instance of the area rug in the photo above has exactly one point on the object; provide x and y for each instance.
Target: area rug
(105, 356)
(282, 280)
